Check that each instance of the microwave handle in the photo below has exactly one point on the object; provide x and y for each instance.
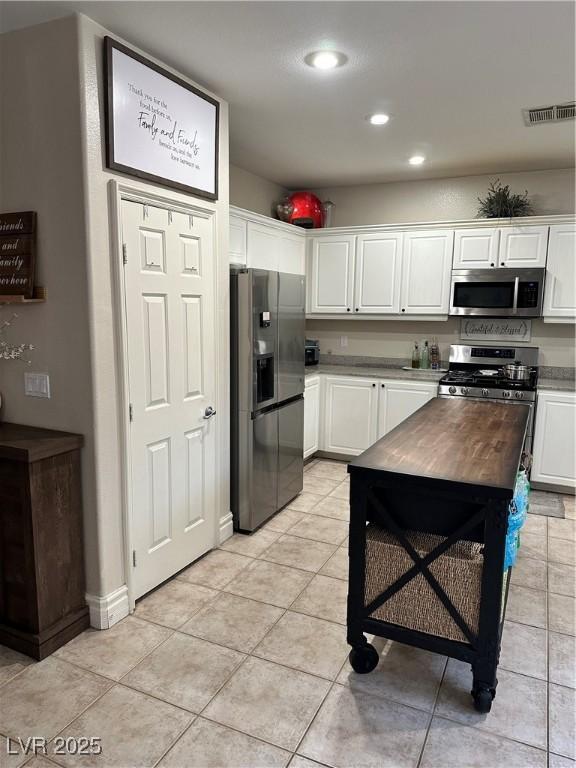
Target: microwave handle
(515, 300)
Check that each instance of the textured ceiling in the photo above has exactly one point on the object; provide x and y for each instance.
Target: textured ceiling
(454, 77)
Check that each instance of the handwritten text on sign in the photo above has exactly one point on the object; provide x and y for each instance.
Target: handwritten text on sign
(17, 251)
(161, 127)
(492, 329)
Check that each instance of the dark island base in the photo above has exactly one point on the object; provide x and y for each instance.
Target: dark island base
(410, 522)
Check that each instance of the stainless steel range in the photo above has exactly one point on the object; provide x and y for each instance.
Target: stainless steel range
(505, 374)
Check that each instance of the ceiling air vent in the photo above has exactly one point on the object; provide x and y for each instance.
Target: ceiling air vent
(551, 114)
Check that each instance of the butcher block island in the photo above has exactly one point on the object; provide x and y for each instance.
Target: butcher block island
(429, 507)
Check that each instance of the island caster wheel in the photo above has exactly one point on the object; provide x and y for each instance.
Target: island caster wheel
(364, 658)
(483, 698)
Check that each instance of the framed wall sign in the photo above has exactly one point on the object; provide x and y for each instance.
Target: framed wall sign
(158, 127)
(17, 253)
(495, 329)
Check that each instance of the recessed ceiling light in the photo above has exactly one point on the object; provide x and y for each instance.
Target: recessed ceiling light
(378, 119)
(417, 160)
(325, 59)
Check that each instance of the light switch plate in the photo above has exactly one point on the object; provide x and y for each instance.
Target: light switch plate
(343, 341)
(37, 384)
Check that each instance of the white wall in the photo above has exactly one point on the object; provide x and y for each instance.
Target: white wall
(395, 338)
(247, 190)
(41, 170)
(444, 199)
(53, 161)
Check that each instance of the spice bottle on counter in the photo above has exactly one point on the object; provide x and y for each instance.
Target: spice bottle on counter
(415, 356)
(434, 355)
(425, 357)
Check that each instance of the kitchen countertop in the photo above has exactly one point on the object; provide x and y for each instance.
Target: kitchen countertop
(378, 372)
(558, 385)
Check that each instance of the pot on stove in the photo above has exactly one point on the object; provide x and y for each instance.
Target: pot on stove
(516, 371)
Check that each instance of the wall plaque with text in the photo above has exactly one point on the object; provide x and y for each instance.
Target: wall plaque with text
(17, 253)
(495, 329)
(159, 127)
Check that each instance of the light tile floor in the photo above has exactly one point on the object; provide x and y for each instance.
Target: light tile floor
(241, 662)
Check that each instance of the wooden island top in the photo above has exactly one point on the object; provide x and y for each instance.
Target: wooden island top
(472, 444)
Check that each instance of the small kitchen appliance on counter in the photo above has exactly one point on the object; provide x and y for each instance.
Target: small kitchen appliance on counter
(505, 374)
(312, 352)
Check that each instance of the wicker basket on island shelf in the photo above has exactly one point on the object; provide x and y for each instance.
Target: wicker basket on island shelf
(416, 606)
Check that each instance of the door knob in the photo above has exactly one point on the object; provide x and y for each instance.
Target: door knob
(209, 412)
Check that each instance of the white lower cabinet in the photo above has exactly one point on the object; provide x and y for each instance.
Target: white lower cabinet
(555, 439)
(399, 399)
(311, 415)
(355, 412)
(350, 415)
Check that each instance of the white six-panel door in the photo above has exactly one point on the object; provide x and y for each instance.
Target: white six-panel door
(170, 317)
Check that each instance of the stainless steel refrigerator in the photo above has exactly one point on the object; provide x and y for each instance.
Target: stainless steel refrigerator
(267, 330)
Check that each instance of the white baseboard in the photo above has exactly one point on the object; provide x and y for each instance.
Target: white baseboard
(108, 610)
(226, 527)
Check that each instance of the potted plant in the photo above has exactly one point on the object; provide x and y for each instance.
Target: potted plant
(501, 202)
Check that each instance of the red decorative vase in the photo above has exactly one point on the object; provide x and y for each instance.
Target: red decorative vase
(308, 211)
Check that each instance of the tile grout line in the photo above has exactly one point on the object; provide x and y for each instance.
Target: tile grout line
(433, 713)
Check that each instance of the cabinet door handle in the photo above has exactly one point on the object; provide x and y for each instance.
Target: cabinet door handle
(382, 385)
(403, 310)
(492, 264)
(348, 309)
(373, 385)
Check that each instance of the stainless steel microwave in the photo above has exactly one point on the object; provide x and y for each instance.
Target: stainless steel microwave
(497, 292)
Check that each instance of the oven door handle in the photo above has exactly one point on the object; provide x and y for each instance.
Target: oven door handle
(515, 299)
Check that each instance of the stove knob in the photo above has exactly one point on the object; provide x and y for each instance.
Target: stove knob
(518, 395)
(485, 393)
(464, 390)
(506, 393)
(452, 390)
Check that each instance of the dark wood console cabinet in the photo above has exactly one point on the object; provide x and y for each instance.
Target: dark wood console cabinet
(42, 603)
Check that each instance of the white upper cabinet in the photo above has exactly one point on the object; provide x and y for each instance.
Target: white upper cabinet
(258, 244)
(476, 248)
(399, 399)
(350, 411)
(560, 288)
(331, 284)
(237, 243)
(292, 253)
(523, 247)
(377, 273)
(426, 272)
(263, 247)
